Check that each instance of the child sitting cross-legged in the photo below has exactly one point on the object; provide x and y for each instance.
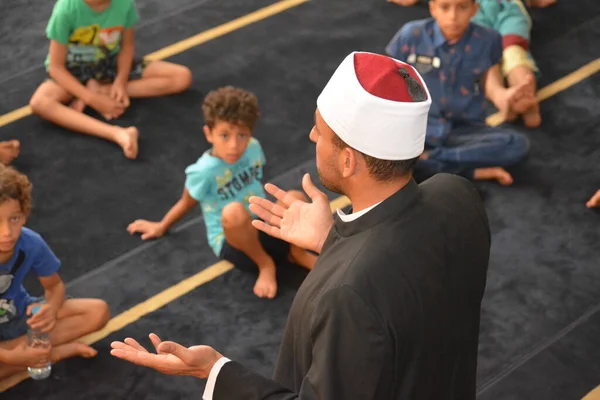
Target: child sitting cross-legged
(222, 181)
(23, 251)
(91, 63)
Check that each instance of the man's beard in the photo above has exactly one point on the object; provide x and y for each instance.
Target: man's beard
(333, 185)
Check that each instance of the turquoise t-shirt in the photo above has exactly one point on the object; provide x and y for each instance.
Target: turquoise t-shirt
(214, 184)
(90, 35)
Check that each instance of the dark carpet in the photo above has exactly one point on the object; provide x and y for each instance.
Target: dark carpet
(545, 248)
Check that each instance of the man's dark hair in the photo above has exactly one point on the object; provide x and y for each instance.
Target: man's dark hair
(382, 170)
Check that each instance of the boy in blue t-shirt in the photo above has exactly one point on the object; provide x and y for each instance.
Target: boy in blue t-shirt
(22, 251)
(91, 63)
(460, 63)
(222, 181)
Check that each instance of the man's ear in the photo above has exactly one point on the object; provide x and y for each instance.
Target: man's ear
(349, 162)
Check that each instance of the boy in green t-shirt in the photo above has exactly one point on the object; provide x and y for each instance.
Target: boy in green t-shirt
(91, 63)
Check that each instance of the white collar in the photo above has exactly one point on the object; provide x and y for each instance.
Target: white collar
(356, 215)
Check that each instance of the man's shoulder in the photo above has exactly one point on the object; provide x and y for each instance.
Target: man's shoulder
(444, 182)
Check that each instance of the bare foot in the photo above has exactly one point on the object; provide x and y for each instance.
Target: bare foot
(541, 3)
(532, 117)
(266, 284)
(404, 3)
(127, 138)
(93, 85)
(495, 173)
(73, 349)
(9, 150)
(85, 351)
(594, 201)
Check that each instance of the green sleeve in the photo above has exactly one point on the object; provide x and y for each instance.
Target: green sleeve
(132, 15)
(59, 27)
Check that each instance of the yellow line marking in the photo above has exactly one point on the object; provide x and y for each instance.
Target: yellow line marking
(190, 42)
(593, 395)
(557, 86)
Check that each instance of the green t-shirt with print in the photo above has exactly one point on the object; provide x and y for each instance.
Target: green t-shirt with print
(90, 35)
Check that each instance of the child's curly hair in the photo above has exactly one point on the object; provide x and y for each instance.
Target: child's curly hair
(233, 105)
(16, 186)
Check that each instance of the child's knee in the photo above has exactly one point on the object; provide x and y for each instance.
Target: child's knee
(234, 215)
(183, 78)
(38, 103)
(99, 314)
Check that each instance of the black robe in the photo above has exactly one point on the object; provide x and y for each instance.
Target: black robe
(391, 310)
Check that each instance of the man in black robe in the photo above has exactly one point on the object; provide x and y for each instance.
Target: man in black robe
(391, 310)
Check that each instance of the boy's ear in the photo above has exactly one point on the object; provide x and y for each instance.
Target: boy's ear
(207, 133)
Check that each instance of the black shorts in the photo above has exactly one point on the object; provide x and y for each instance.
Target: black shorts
(105, 70)
(278, 249)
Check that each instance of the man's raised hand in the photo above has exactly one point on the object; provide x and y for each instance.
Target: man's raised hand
(305, 225)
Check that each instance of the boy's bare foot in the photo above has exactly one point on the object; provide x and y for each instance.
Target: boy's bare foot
(93, 85)
(532, 117)
(73, 349)
(495, 173)
(9, 150)
(127, 138)
(404, 3)
(266, 283)
(541, 3)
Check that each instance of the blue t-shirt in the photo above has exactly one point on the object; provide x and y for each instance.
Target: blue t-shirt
(39, 258)
(214, 184)
(453, 72)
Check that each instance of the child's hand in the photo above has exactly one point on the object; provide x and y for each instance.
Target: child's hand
(44, 320)
(118, 92)
(149, 230)
(517, 98)
(108, 107)
(27, 356)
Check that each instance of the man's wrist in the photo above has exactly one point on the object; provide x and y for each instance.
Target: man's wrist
(323, 238)
(218, 361)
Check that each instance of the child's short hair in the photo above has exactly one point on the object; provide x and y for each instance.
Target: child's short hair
(230, 104)
(16, 186)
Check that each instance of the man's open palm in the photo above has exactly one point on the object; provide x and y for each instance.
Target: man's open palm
(305, 225)
(170, 358)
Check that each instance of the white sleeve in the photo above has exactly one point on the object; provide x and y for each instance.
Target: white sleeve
(212, 378)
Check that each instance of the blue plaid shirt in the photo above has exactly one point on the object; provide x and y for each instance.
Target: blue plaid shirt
(453, 73)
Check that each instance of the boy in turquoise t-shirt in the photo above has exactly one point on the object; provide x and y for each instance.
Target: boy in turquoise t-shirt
(222, 181)
(91, 63)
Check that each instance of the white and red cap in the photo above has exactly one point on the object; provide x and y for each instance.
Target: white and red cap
(377, 105)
